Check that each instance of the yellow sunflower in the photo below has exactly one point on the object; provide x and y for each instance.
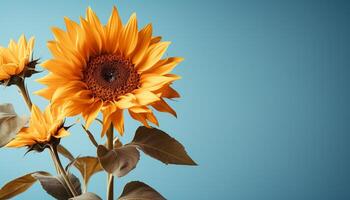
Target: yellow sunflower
(16, 58)
(109, 68)
(43, 127)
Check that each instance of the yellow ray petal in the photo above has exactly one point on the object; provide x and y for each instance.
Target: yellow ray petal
(146, 97)
(165, 66)
(144, 39)
(113, 29)
(128, 38)
(118, 121)
(139, 117)
(162, 106)
(92, 113)
(154, 54)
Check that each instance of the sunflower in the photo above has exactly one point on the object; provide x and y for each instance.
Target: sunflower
(15, 60)
(109, 68)
(44, 127)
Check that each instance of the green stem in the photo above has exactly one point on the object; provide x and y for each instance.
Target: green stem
(110, 178)
(22, 87)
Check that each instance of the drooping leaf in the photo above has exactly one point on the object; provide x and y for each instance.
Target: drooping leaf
(86, 196)
(137, 190)
(119, 161)
(18, 185)
(56, 186)
(65, 152)
(10, 123)
(91, 137)
(87, 166)
(161, 146)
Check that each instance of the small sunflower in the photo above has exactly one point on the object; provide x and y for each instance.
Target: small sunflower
(109, 68)
(44, 127)
(16, 60)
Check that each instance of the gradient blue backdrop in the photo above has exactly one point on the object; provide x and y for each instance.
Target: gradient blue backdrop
(265, 94)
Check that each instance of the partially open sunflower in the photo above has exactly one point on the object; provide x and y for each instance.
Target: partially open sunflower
(43, 128)
(109, 68)
(15, 60)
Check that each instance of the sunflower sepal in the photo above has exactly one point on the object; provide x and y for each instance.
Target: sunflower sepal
(30, 69)
(40, 147)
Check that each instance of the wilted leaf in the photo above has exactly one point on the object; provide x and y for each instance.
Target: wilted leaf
(119, 161)
(10, 123)
(86, 196)
(161, 146)
(18, 185)
(56, 186)
(137, 190)
(91, 137)
(87, 166)
(62, 150)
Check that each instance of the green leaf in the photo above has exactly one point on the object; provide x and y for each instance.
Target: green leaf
(119, 161)
(137, 190)
(87, 196)
(161, 146)
(10, 123)
(18, 185)
(56, 186)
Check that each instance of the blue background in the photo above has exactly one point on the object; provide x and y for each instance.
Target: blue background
(265, 94)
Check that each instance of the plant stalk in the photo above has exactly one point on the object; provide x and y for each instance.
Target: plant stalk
(62, 171)
(22, 87)
(54, 161)
(110, 178)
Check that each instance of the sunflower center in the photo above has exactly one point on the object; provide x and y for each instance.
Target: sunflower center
(109, 76)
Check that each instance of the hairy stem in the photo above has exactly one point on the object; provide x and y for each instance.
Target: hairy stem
(110, 178)
(22, 87)
(61, 170)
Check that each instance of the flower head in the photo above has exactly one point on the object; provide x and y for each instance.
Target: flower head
(16, 60)
(109, 68)
(43, 128)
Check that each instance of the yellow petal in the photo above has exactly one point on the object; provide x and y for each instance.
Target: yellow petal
(154, 54)
(118, 121)
(61, 133)
(144, 39)
(154, 81)
(146, 97)
(167, 92)
(126, 101)
(165, 66)
(128, 38)
(156, 39)
(113, 29)
(162, 106)
(150, 117)
(139, 117)
(93, 112)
